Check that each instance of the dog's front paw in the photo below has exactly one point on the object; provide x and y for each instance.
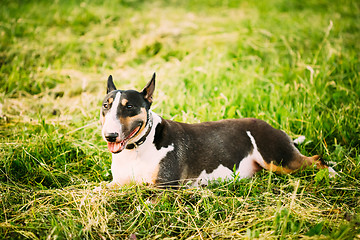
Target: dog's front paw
(97, 189)
(113, 185)
(103, 186)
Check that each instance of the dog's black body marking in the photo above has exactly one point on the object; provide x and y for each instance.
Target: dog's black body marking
(148, 148)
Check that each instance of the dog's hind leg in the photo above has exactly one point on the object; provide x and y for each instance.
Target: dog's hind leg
(290, 160)
(303, 162)
(319, 164)
(298, 163)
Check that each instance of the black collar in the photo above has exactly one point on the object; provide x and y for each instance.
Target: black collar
(143, 138)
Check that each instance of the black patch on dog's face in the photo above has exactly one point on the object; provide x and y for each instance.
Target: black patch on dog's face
(131, 104)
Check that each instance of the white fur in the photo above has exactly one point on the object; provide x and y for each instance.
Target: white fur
(247, 167)
(139, 165)
(257, 156)
(299, 140)
(220, 172)
(111, 122)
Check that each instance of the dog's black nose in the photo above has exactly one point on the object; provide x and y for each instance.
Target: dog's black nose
(111, 137)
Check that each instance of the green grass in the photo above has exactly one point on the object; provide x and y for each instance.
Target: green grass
(294, 64)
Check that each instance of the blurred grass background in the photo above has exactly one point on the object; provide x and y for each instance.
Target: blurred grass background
(294, 64)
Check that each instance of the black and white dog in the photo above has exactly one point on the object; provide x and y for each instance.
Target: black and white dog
(149, 149)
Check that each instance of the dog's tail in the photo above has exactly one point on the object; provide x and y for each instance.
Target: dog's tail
(299, 140)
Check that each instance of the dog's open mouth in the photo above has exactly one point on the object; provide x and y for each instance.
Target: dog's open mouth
(116, 147)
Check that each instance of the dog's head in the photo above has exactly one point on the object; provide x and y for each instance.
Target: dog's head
(124, 114)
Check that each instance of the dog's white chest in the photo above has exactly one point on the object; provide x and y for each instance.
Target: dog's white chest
(139, 165)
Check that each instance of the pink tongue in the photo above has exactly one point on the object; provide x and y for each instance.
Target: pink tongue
(115, 146)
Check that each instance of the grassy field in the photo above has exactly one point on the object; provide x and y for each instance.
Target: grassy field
(292, 63)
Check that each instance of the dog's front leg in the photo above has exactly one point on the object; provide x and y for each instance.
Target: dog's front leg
(113, 185)
(117, 184)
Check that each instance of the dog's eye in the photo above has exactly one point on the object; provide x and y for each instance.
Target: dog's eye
(129, 106)
(106, 105)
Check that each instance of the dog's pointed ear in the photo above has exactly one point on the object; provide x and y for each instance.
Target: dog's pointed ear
(110, 84)
(148, 90)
